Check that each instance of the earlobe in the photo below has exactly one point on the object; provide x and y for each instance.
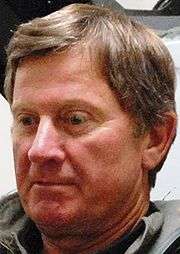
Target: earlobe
(158, 141)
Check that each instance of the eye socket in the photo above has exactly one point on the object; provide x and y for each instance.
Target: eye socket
(77, 119)
(27, 120)
(77, 123)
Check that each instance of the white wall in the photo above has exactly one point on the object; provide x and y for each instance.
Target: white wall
(7, 179)
(138, 4)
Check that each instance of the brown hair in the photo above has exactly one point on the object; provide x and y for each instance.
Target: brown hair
(133, 58)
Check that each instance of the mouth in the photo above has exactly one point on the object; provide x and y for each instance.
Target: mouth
(53, 190)
(62, 182)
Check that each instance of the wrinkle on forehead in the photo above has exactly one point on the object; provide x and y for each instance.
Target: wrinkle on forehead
(88, 63)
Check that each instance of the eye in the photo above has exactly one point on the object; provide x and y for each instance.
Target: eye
(25, 123)
(77, 118)
(77, 122)
(27, 120)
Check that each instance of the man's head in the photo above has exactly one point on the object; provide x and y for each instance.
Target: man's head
(133, 59)
(92, 95)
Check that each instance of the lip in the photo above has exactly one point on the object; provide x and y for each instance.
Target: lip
(53, 189)
(61, 182)
(51, 184)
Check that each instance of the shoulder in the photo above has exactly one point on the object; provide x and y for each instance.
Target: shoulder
(12, 219)
(168, 205)
(171, 212)
(169, 238)
(8, 201)
(15, 226)
(12, 215)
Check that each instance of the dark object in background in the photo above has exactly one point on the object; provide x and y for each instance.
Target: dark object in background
(29, 9)
(168, 7)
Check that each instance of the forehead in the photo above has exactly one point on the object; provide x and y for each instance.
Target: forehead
(59, 77)
(69, 62)
(74, 65)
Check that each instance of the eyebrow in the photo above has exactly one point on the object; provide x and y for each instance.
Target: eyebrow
(20, 107)
(25, 106)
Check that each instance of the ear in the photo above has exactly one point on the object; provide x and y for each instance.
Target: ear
(158, 141)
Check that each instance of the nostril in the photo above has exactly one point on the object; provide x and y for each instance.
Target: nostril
(35, 156)
(50, 165)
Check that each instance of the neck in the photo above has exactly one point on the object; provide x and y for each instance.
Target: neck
(83, 244)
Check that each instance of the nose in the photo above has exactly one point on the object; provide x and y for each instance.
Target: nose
(47, 144)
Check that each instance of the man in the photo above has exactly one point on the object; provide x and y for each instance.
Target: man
(92, 96)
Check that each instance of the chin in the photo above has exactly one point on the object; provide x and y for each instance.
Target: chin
(52, 216)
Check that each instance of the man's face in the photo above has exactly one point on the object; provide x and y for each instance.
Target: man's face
(78, 165)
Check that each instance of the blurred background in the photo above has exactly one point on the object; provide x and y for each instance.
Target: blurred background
(167, 23)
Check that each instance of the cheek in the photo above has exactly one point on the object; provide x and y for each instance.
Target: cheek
(22, 164)
(106, 160)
